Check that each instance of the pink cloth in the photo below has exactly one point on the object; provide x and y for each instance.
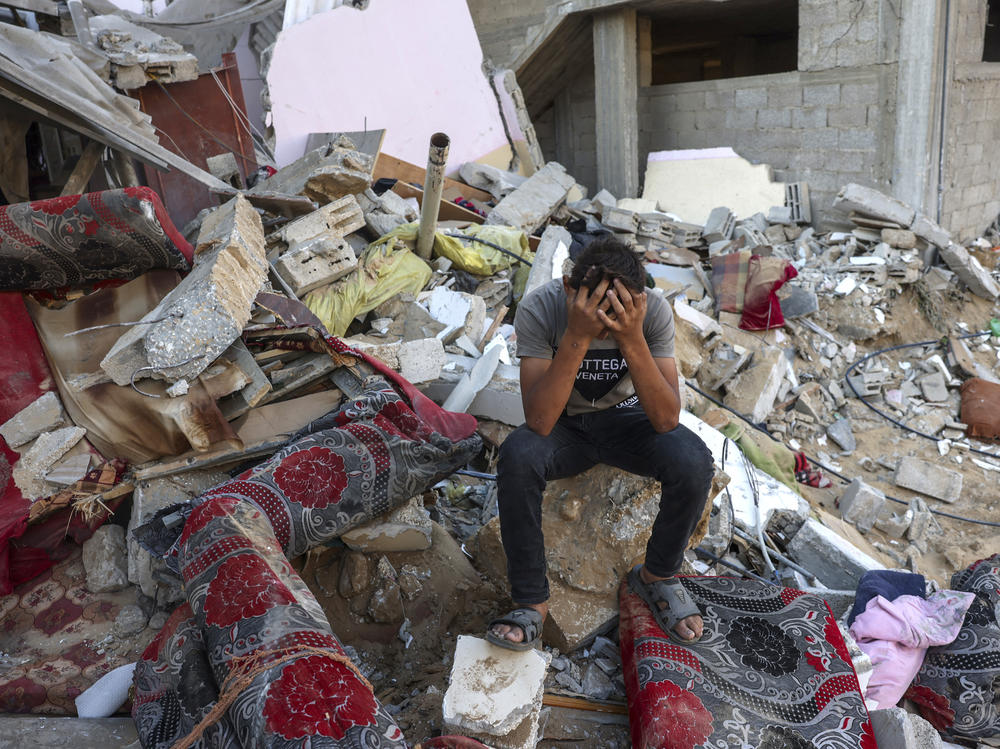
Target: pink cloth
(896, 635)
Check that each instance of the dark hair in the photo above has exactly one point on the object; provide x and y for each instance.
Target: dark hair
(608, 257)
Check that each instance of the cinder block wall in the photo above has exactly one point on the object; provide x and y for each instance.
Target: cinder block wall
(826, 128)
(506, 28)
(970, 197)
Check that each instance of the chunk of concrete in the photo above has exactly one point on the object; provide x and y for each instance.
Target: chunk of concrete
(331, 171)
(754, 390)
(840, 432)
(386, 603)
(834, 561)
(934, 387)
(499, 401)
(895, 728)
(318, 262)
(871, 202)
(553, 251)
(493, 691)
(42, 415)
(336, 219)
(422, 360)
(860, 505)
(799, 303)
(407, 528)
(30, 471)
(930, 231)
(705, 325)
(928, 478)
(496, 182)
(719, 225)
(105, 560)
(460, 313)
(969, 271)
(530, 205)
(902, 239)
(207, 311)
(385, 212)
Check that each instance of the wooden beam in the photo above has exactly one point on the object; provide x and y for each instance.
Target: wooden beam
(393, 168)
(83, 170)
(617, 101)
(46, 7)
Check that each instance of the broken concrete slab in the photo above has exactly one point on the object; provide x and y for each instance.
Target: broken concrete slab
(499, 401)
(68, 470)
(318, 262)
(895, 728)
(902, 239)
(930, 231)
(705, 325)
(460, 313)
(719, 225)
(933, 387)
(496, 182)
(493, 691)
(327, 173)
(208, 309)
(530, 205)
(754, 390)
(29, 472)
(834, 561)
(42, 415)
(105, 560)
(48, 732)
(840, 432)
(385, 212)
(860, 505)
(335, 219)
(552, 252)
(928, 478)
(421, 360)
(407, 528)
(969, 271)
(871, 202)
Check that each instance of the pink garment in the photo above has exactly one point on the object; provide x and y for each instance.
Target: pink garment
(896, 635)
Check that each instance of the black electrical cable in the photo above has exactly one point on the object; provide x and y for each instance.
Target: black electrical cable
(504, 250)
(830, 470)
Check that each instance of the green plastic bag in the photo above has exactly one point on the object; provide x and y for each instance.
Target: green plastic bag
(995, 327)
(386, 268)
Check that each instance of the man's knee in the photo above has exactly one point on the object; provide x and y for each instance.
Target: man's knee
(524, 450)
(685, 458)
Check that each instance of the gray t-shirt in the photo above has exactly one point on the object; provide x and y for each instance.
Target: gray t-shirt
(603, 379)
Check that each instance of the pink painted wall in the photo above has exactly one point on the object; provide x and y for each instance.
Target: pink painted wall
(413, 68)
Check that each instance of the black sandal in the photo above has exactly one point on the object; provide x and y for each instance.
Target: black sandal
(529, 620)
(679, 604)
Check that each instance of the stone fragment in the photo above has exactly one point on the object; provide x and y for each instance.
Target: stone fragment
(894, 524)
(969, 271)
(553, 251)
(105, 560)
(29, 472)
(871, 202)
(18, 731)
(206, 312)
(386, 351)
(318, 262)
(386, 603)
(385, 212)
(459, 312)
(928, 478)
(407, 528)
(754, 390)
(834, 561)
(148, 572)
(922, 526)
(421, 361)
(337, 219)
(131, 620)
(930, 231)
(69, 470)
(705, 325)
(496, 182)
(493, 692)
(331, 171)
(840, 432)
(499, 401)
(902, 239)
(530, 205)
(934, 387)
(596, 683)
(42, 415)
(355, 574)
(620, 220)
(799, 303)
(895, 728)
(860, 505)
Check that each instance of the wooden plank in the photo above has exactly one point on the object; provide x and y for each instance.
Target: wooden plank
(46, 7)
(83, 170)
(448, 212)
(392, 168)
(213, 459)
(259, 386)
(286, 417)
(582, 703)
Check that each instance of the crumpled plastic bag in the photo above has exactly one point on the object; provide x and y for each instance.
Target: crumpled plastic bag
(386, 268)
(480, 259)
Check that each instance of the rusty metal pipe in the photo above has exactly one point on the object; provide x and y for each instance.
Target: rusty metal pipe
(433, 185)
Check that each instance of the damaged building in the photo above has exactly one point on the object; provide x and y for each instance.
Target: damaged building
(260, 316)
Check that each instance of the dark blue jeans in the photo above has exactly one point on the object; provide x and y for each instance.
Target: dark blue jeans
(620, 437)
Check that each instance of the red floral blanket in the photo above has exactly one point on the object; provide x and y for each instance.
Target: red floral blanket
(771, 671)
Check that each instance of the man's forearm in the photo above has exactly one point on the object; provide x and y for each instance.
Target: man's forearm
(659, 399)
(546, 399)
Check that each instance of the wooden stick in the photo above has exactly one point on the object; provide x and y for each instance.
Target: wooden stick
(83, 170)
(497, 322)
(582, 703)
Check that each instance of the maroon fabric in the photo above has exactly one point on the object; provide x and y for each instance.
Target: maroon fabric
(80, 240)
(981, 409)
(770, 671)
(245, 599)
(761, 308)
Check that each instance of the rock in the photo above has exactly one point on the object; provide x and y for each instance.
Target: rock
(834, 561)
(596, 683)
(105, 560)
(895, 728)
(494, 692)
(131, 620)
(355, 574)
(969, 271)
(531, 204)
(928, 478)
(860, 505)
(29, 472)
(386, 603)
(407, 528)
(753, 391)
(840, 432)
(421, 361)
(799, 303)
(44, 414)
(934, 387)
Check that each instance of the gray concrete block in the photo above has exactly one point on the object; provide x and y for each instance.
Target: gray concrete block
(42, 415)
(833, 560)
(871, 202)
(933, 387)
(809, 117)
(421, 360)
(751, 98)
(317, 262)
(719, 225)
(969, 271)
(928, 478)
(754, 390)
(29, 472)
(862, 139)
(798, 303)
(895, 728)
(840, 432)
(774, 118)
(821, 94)
(531, 204)
(860, 505)
(105, 560)
(38, 732)
(553, 249)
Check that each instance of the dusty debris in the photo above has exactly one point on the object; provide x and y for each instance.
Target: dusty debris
(43, 415)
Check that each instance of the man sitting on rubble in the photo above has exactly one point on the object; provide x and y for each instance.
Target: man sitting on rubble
(599, 385)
